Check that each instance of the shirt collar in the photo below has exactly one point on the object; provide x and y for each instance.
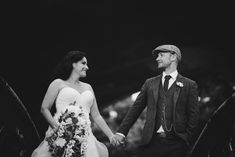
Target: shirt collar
(173, 74)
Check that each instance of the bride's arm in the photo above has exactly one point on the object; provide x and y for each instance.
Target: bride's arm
(98, 119)
(48, 101)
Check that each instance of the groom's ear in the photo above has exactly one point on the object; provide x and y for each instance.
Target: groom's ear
(174, 57)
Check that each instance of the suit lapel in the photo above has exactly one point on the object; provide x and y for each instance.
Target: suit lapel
(177, 90)
(156, 84)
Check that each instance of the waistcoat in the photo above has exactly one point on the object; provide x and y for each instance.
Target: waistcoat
(165, 108)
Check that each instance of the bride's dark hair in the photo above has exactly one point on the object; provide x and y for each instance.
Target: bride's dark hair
(65, 67)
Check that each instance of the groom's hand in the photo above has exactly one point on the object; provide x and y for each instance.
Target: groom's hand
(121, 139)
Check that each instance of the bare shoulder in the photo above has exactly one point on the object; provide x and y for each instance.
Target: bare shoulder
(87, 86)
(56, 84)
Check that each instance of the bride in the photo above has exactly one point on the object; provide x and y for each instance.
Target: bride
(69, 132)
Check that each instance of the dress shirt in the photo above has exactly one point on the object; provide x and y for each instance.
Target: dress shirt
(172, 79)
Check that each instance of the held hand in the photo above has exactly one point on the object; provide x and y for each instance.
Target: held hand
(121, 140)
(113, 141)
(55, 127)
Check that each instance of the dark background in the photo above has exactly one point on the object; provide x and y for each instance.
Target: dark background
(118, 39)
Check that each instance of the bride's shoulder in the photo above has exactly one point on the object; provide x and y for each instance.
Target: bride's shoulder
(86, 86)
(57, 83)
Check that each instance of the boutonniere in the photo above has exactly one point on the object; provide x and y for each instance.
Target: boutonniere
(180, 84)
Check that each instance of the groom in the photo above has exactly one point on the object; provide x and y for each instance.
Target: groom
(172, 109)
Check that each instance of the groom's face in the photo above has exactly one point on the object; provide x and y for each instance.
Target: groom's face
(164, 59)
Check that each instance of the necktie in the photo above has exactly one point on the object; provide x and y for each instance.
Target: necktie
(166, 82)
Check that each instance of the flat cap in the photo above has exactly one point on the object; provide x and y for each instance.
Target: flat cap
(166, 48)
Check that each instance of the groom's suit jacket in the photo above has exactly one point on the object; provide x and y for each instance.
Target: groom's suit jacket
(185, 109)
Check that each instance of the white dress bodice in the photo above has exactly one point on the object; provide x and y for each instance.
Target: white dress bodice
(68, 96)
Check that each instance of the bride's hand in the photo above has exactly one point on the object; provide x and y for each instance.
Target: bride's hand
(55, 127)
(113, 141)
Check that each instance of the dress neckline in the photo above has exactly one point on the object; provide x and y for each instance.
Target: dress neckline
(80, 93)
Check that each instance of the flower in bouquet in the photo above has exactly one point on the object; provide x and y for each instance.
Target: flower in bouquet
(70, 139)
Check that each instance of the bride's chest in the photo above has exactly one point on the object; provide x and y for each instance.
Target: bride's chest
(70, 96)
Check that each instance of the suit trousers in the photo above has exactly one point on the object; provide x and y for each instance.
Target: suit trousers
(172, 146)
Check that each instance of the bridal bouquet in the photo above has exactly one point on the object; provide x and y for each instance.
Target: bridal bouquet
(70, 139)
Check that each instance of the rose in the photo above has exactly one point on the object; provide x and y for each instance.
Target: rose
(60, 142)
(180, 84)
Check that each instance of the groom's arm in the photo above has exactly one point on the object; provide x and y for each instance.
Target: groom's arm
(118, 133)
(134, 112)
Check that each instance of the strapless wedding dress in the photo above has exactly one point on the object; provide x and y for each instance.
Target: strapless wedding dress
(66, 97)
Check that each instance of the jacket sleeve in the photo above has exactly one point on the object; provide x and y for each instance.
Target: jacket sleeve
(193, 113)
(134, 111)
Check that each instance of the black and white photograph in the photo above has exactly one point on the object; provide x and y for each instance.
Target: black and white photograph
(117, 79)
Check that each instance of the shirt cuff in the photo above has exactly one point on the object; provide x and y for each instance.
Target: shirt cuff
(118, 133)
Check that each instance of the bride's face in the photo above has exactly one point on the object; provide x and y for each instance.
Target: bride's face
(81, 67)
